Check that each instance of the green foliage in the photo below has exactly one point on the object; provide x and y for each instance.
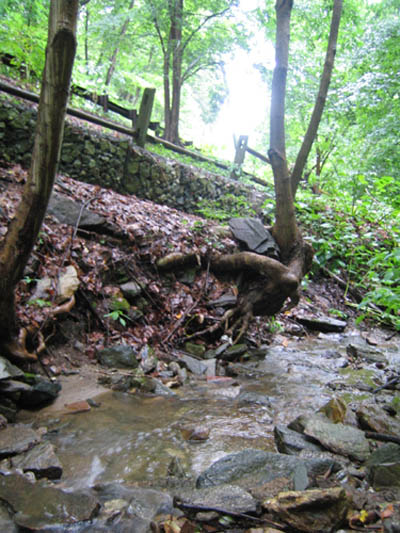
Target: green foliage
(39, 302)
(227, 207)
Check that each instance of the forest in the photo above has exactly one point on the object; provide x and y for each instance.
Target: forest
(264, 332)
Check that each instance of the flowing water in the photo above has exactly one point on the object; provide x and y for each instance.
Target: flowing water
(134, 438)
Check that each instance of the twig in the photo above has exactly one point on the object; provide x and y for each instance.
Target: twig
(391, 381)
(383, 437)
(197, 507)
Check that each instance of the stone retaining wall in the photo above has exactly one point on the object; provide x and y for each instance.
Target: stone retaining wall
(113, 161)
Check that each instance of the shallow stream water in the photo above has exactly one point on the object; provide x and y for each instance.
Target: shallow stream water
(134, 438)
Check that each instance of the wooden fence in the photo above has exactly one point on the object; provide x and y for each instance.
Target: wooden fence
(140, 123)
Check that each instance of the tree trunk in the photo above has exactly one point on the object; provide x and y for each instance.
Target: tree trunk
(113, 60)
(23, 230)
(321, 97)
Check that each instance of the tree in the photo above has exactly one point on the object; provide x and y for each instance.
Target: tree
(191, 36)
(23, 230)
(269, 283)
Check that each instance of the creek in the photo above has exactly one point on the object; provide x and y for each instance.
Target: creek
(133, 438)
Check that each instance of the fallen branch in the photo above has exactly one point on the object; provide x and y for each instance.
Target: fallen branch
(382, 437)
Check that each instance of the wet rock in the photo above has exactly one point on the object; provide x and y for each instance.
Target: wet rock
(160, 389)
(6, 522)
(17, 438)
(249, 397)
(143, 505)
(228, 497)
(338, 438)
(335, 410)
(13, 389)
(252, 467)
(118, 356)
(371, 417)
(8, 409)
(78, 407)
(42, 392)
(324, 324)
(131, 290)
(39, 507)
(360, 349)
(197, 350)
(148, 359)
(233, 353)
(311, 511)
(195, 433)
(41, 460)
(292, 443)
(383, 466)
(8, 370)
(194, 365)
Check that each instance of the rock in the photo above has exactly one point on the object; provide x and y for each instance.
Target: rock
(324, 324)
(17, 438)
(131, 290)
(197, 350)
(371, 417)
(68, 283)
(292, 443)
(195, 433)
(41, 460)
(252, 233)
(39, 507)
(69, 212)
(6, 522)
(142, 507)
(8, 409)
(228, 497)
(211, 365)
(118, 356)
(335, 410)
(196, 367)
(13, 389)
(8, 370)
(311, 511)
(338, 438)
(148, 359)
(160, 389)
(383, 466)
(250, 397)
(252, 467)
(233, 353)
(360, 349)
(78, 407)
(42, 392)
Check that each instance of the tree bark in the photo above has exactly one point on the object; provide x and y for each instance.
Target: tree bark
(113, 60)
(321, 98)
(23, 230)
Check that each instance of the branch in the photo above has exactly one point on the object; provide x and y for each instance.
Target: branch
(203, 23)
(321, 98)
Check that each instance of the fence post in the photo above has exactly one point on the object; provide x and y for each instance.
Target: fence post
(143, 122)
(241, 146)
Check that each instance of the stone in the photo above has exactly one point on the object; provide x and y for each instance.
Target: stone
(255, 236)
(311, 511)
(325, 324)
(233, 353)
(338, 438)
(41, 460)
(228, 497)
(38, 507)
(118, 356)
(292, 443)
(371, 417)
(8, 370)
(252, 467)
(250, 397)
(68, 284)
(197, 350)
(360, 349)
(17, 438)
(42, 392)
(69, 212)
(131, 290)
(195, 366)
(383, 466)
